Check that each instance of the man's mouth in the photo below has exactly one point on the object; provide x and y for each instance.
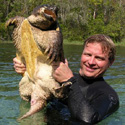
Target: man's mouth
(90, 69)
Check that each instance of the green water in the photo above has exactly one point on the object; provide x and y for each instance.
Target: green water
(11, 105)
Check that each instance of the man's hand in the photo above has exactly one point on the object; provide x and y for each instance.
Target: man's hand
(19, 67)
(62, 72)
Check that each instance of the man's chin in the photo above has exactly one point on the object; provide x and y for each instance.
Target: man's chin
(86, 76)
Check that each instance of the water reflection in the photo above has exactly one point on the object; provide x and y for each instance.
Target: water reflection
(11, 105)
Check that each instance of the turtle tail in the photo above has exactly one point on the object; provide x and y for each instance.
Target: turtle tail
(36, 107)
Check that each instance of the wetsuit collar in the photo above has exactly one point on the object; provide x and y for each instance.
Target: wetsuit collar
(92, 80)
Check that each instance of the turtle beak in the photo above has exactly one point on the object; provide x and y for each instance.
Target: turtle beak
(50, 15)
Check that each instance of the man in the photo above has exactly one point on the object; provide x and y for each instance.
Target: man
(90, 98)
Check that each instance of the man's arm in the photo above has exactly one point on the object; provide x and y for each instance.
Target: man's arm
(92, 108)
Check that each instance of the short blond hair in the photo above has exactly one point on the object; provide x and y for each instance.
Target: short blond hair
(106, 43)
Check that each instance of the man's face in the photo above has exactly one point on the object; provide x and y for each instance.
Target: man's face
(94, 62)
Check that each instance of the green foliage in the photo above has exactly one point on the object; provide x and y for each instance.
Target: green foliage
(78, 19)
(2, 31)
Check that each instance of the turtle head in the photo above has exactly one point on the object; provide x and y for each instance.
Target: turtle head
(44, 16)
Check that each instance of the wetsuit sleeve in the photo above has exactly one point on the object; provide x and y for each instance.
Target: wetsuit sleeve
(88, 109)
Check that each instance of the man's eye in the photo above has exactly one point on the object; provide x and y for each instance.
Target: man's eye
(99, 58)
(87, 54)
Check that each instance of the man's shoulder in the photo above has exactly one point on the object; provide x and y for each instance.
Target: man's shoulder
(103, 89)
(103, 86)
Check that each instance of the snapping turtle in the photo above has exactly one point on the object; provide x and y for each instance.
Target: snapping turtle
(38, 41)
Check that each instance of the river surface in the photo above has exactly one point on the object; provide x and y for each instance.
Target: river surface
(11, 105)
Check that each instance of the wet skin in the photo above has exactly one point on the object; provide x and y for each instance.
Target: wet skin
(94, 62)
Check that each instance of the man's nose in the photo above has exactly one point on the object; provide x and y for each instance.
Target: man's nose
(92, 61)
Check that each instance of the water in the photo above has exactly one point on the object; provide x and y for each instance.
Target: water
(11, 105)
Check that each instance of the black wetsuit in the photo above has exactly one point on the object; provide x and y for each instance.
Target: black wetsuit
(90, 101)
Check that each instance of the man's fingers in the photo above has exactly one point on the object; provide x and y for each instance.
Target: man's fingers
(66, 62)
(15, 60)
(16, 65)
(20, 70)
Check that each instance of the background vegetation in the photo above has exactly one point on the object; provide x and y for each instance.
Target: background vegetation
(78, 18)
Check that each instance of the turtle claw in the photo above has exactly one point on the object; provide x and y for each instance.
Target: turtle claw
(50, 54)
(7, 23)
(11, 21)
(14, 21)
(62, 90)
(46, 51)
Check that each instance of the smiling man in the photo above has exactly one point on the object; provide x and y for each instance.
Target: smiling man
(90, 98)
(94, 62)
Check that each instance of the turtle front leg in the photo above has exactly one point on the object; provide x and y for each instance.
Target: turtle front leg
(62, 91)
(14, 21)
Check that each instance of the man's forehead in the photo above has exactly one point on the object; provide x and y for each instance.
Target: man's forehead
(97, 47)
(103, 47)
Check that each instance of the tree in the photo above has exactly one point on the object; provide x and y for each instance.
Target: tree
(78, 19)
